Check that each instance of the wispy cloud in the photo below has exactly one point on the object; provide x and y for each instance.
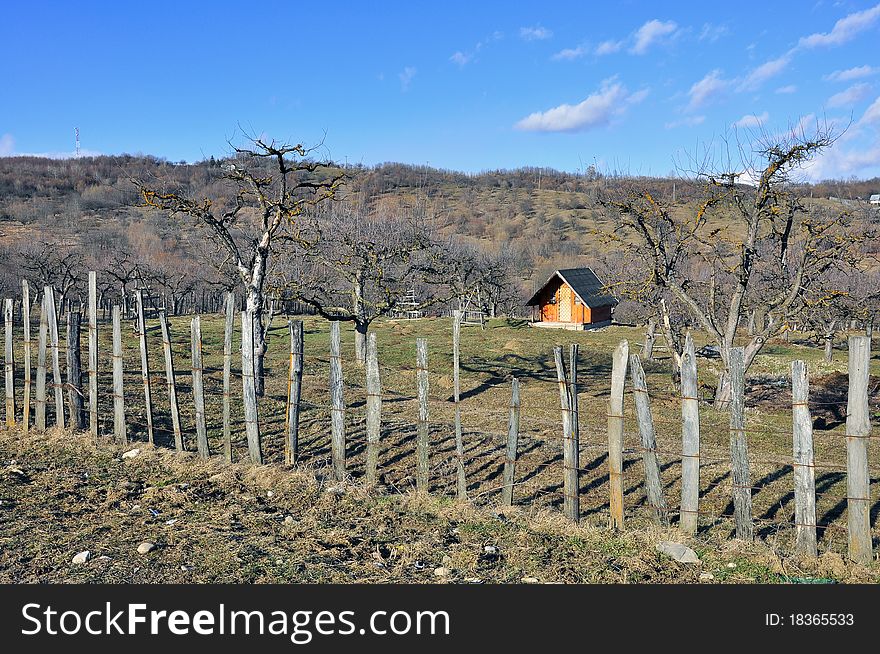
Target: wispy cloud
(609, 47)
(707, 90)
(750, 121)
(844, 30)
(536, 33)
(765, 71)
(568, 54)
(787, 89)
(406, 77)
(7, 145)
(652, 32)
(712, 33)
(852, 95)
(872, 113)
(687, 121)
(460, 58)
(598, 109)
(858, 72)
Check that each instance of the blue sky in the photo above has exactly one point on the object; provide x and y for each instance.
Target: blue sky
(629, 86)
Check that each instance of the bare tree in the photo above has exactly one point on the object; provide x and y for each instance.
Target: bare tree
(749, 239)
(272, 184)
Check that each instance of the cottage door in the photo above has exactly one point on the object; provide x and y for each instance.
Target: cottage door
(565, 301)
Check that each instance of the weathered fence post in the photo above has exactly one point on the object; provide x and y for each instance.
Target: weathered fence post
(690, 439)
(119, 429)
(619, 362)
(40, 408)
(9, 360)
(249, 389)
(172, 384)
(199, 387)
(54, 348)
(294, 391)
(858, 431)
(575, 402)
(650, 337)
(227, 376)
(512, 439)
(653, 485)
(337, 404)
(570, 480)
(422, 475)
(804, 472)
(739, 453)
(75, 404)
(26, 324)
(145, 363)
(93, 354)
(461, 479)
(374, 410)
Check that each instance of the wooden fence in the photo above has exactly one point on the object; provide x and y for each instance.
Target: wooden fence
(82, 403)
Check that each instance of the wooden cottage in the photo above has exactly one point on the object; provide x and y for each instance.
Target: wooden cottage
(574, 298)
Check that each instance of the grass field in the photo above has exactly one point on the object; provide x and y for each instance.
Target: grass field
(216, 522)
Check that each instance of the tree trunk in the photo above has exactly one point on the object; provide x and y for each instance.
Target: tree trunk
(648, 348)
(829, 347)
(255, 308)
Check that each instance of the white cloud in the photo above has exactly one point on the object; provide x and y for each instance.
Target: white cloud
(872, 113)
(857, 72)
(784, 90)
(689, 121)
(611, 100)
(764, 72)
(7, 145)
(844, 30)
(750, 121)
(852, 95)
(536, 33)
(569, 54)
(712, 33)
(609, 47)
(460, 58)
(406, 77)
(652, 32)
(706, 90)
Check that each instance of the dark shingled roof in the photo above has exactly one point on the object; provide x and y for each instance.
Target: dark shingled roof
(586, 285)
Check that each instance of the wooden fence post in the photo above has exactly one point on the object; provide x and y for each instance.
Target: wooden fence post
(512, 440)
(337, 404)
(93, 354)
(249, 391)
(119, 429)
(199, 387)
(75, 404)
(858, 431)
(570, 479)
(461, 478)
(619, 362)
(573, 392)
(42, 342)
(26, 324)
(9, 360)
(422, 474)
(55, 351)
(172, 384)
(690, 440)
(227, 376)
(294, 391)
(653, 484)
(804, 472)
(739, 453)
(145, 363)
(374, 410)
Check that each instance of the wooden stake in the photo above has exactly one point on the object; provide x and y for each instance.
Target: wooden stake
(653, 484)
(198, 387)
(55, 351)
(170, 380)
(9, 359)
(571, 483)
(294, 391)
(75, 404)
(422, 468)
(619, 362)
(804, 472)
(249, 391)
(337, 404)
(119, 428)
(26, 324)
(374, 410)
(227, 376)
(42, 342)
(461, 478)
(690, 440)
(93, 354)
(739, 453)
(858, 432)
(512, 439)
(145, 363)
